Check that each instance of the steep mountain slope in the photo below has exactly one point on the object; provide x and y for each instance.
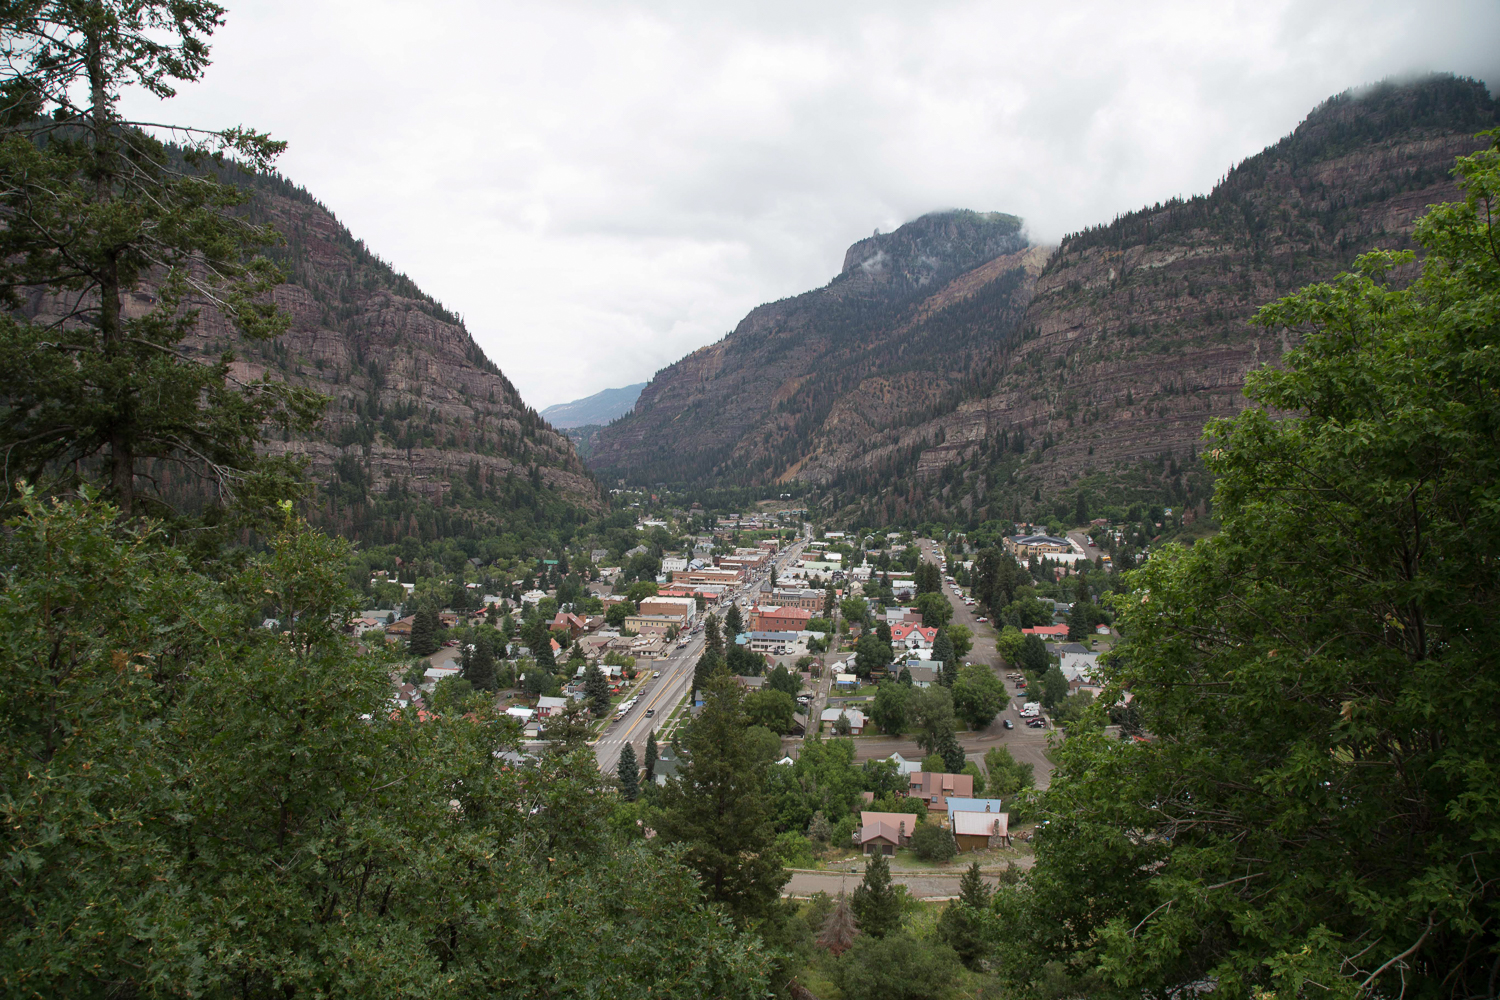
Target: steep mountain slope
(1006, 386)
(1137, 331)
(741, 410)
(424, 436)
(600, 408)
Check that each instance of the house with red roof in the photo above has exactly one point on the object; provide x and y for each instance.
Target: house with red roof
(912, 636)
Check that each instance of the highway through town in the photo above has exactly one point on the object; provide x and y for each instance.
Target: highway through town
(661, 695)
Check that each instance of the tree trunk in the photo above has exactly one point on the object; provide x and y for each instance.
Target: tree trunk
(111, 333)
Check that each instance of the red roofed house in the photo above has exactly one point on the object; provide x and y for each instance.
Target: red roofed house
(567, 620)
(937, 788)
(1046, 630)
(912, 636)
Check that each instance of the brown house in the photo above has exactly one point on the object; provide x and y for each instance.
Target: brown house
(884, 832)
(936, 789)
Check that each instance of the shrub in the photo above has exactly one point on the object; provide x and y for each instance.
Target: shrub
(931, 842)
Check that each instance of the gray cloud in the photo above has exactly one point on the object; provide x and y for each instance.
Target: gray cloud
(600, 188)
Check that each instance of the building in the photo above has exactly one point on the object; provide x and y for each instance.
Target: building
(806, 598)
(673, 564)
(857, 725)
(546, 706)
(721, 577)
(575, 625)
(653, 624)
(912, 636)
(882, 833)
(771, 642)
(681, 607)
(1024, 547)
(779, 619)
(667, 765)
(1046, 631)
(904, 767)
(923, 672)
(978, 831)
(936, 789)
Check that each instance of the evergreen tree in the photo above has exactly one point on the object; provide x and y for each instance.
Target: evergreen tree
(952, 752)
(91, 208)
(541, 646)
(942, 650)
(966, 921)
(596, 690)
(651, 755)
(713, 642)
(830, 602)
(424, 629)
(734, 624)
(876, 903)
(721, 812)
(840, 929)
(630, 786)
(1054, 687)
(478, 663)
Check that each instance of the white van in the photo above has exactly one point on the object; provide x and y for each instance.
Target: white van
(1031, 709)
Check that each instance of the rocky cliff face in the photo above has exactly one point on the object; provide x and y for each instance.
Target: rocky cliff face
(742, 410)
(1137, 332)
(417, 411)
(992, 390)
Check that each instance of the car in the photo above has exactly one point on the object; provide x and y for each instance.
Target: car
(981, 619)
(655, 674)
(1007, 724)
(650, 712)
(1037, 724)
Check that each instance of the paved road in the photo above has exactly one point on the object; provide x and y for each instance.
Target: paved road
(662, 695)
(923, 885)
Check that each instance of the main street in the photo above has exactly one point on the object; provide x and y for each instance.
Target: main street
(661, 695)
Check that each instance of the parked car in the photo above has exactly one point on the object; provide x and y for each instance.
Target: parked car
(981, 619)
(655, 674)
(1037, 723)
(1007, 724)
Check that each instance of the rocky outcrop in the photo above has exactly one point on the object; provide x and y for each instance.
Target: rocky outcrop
(742, 410)
(1138, 332)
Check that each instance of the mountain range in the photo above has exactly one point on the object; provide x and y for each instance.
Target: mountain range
(600, 408)
(952, 368)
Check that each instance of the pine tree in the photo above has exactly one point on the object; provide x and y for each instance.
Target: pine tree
(630, 785)
(942, 650)
(713, 642)
(840, 929)
(721, 811)
(876, 904)
(596, 689)
(734, 624)
(830, 602)
(424, 629)
(94, 209)
(479, 664)
(651, 755)
(964, 922)
(952, 752)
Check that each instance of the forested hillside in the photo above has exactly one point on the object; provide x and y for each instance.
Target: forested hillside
(424, 436)
(1138, 331)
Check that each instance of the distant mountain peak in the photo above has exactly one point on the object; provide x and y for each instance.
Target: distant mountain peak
(600, 408)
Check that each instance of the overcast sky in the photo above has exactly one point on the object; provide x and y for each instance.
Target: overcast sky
(599, 188)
